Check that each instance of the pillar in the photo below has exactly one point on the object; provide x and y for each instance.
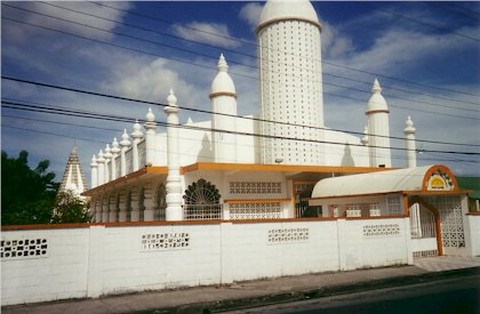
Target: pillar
(149, 202)
(150, 127)
(115, 151)
(137, 137)
(125, 144)
(174, 209)
(105, 207)
(135, 204)
(113, 213)
(94, 172)
(108, 157)
(410, 144)
(101, 170)
(122, 205)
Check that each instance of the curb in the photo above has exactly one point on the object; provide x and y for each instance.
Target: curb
(300, 295)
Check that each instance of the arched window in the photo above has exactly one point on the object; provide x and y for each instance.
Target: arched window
(202, 201)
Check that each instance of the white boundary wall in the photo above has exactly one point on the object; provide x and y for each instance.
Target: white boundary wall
(473, 227)
(98, 260)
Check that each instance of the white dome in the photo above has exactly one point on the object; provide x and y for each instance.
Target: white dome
(275, 10)
(222, 83)
(376, 102)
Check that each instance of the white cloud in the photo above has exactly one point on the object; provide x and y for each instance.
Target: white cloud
(211, 33)
(250, 13)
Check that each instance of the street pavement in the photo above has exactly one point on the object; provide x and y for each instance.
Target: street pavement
(242, 295)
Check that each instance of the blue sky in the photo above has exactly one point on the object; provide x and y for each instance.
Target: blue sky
(426, 56)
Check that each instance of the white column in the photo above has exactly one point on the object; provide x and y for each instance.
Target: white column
(149, 202)
(135, 214)
(125, 143)
(137, 137)
(107, 156)
(94, 173)
(410, 145)
(113, 212)
(115, 150)
(174, 209)
(101, 170)
(122, 205)
(105, 207)
(150, 127)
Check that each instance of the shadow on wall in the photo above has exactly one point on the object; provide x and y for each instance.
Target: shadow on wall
(347, 159)
(206, 152)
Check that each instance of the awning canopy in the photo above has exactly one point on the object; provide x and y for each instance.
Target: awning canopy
(434, 178)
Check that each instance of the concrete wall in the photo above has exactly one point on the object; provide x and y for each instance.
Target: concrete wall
(96, 260)
(473, 227)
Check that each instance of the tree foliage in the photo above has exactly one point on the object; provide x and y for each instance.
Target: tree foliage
(28, 195)
(70, 208)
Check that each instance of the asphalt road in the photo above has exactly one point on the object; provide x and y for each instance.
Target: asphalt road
(455, 296)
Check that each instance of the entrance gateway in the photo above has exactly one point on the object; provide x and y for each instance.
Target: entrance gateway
(428, 195)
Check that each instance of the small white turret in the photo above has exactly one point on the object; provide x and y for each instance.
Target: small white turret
(115, 151)
(137, 136)
(378, 128)
(108, 157)
(125, 143)
(410, 145)
(94, 172)
(150, 127)
(223, 100)
(101, 168)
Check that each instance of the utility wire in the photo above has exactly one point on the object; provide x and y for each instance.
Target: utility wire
(220, 114)
(230, 50)
(83, 114)
(208, 67)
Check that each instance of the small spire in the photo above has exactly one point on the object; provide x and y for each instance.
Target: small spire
(171, 99)
(150, 117)
(125, 142)
(108, 152)
(409, 126)
(189, 120)
(94, 161)
(100, 156)
(222, 64)
(376, 89)
(115, 149)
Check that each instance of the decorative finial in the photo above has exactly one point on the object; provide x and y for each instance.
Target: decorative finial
(125, 142)
(365, 136)
(100, 156)
(94, 161)
(409, 126)
(222, 64)
(376, 87)
(171, 99)
(115, 148)
(108, 152)
(150, 117)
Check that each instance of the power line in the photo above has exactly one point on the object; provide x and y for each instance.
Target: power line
(232, 51)
(256, 46)
(83, 114)
(97, 94)
(208, 67)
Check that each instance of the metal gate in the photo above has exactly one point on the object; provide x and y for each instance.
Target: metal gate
(423, 231)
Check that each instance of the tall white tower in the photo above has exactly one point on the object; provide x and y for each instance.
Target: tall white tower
(289, 54)
(73, 179)
(223, 100)
(378, 128)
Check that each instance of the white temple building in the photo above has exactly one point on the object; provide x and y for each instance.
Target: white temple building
(245, 197)
(243, 168)
(73, 179)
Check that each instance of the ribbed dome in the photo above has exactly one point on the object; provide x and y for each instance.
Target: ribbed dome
(377, 102)
(287, 9)
(222, 83)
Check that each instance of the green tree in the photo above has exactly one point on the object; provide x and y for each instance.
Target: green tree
(69, 208)
(28, 195)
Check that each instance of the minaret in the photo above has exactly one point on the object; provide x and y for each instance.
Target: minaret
(410, 145)
(378, 128)
(73, 179)
(223, 100)
(289, 54)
